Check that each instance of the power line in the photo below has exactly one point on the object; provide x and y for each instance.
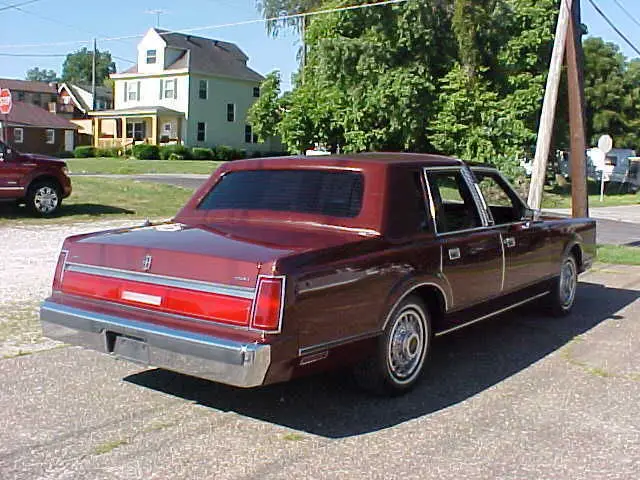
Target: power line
(17, 5)
(611, 24)
(631, 17)
(2, 54)
(223, 25)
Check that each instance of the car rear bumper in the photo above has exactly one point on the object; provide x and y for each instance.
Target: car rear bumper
(221, 360)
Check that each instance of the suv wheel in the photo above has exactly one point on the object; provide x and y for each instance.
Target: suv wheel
(43, 198)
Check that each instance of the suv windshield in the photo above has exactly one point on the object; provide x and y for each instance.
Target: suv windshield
(337, 194)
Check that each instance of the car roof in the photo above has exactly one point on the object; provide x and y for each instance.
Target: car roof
(356, 160)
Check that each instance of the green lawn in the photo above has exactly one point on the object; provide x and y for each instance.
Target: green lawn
(560, 197)
(124, 166)
(619, 254)
(99, 198)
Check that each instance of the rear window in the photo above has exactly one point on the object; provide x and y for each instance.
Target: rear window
(336, 194)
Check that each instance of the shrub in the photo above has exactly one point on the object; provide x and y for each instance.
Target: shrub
(85, 151)
(202, 153)
(255, 154)
(64, 154)
(175, 156)
(107, 152)
(146, 152)
(179, 150)
(226, 154)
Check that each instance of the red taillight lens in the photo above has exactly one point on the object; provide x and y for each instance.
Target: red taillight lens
(59, 273)
(267, 311)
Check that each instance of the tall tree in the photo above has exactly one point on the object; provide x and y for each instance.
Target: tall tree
(278, 8)
(36, 75)
(77, 66)
(606, 85)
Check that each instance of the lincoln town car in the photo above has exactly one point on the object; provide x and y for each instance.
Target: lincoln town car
(281, 267)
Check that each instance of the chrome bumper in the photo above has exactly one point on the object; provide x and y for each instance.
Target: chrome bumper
(217, 359)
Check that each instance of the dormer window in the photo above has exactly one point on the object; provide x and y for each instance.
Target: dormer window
(151, 57)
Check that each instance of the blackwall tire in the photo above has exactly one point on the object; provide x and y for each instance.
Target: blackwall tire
(402, 351)
(563, 293)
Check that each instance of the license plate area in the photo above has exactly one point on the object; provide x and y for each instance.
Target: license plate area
(130, 348)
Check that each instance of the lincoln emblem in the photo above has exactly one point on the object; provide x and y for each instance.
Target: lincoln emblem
(146, 263)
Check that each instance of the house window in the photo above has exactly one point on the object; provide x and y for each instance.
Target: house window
(231, 112)
(51, 135)
(18, 135)
(249, 136)
(151, 56)
(136, 130)
(66, 100)
(21, 96)
(202, 91)
(202, 130)
(170, 89)
(256, 92)
(37, 99)
(131, 91)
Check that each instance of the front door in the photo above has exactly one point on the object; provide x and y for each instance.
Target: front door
(529, 256)
(471, 252)
(11, 172)
(68, 140)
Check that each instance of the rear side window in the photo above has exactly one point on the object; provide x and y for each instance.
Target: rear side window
(336, 194)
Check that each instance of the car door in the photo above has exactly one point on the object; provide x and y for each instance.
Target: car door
(10, 174)
(529, 256)
(471, 252)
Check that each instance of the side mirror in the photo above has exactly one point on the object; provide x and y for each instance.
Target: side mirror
(532, 215)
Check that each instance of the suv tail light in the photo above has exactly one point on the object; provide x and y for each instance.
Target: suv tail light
(59, 273)
(267, 309)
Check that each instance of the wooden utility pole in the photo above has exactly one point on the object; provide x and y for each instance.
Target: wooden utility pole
(93, 74)
(545, 130)
(575, 80)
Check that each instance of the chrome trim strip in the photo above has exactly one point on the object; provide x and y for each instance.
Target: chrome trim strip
(11, 188)
(408, 292)
(492, 314)
(236, 363)
(320, 347)
(504, 262)
(198, 285)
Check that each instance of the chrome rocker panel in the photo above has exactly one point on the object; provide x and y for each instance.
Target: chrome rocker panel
(224, 361)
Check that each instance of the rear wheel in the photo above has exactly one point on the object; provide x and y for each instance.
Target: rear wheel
(402, 350)
(43, 198)
(563, 294)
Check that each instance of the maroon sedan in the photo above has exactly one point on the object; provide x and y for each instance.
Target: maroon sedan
(281, 267)
(38, 181)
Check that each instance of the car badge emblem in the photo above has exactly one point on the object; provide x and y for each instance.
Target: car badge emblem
(146, 263)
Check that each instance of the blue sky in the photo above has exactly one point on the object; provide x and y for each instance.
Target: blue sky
(48, 22)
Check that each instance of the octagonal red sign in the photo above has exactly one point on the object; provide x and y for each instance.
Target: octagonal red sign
(5, 101)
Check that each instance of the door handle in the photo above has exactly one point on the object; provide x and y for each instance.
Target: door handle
(454, 253)
(509, 242)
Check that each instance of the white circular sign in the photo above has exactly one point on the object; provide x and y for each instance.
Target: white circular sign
(597, 158)
(605, 143)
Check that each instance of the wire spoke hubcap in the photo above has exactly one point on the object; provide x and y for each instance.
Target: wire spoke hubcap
(568, 283)
(406, 346)
(45, 199)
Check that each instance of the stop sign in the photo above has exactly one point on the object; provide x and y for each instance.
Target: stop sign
(5, 101)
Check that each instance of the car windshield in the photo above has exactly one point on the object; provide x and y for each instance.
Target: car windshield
(331, 193)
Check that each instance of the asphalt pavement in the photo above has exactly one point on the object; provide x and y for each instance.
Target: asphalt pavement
(519, 396)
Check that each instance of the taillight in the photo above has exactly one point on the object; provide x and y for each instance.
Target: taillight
(267, 310)
(59, 273)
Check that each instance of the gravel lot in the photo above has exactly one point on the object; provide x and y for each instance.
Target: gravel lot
(516, 397)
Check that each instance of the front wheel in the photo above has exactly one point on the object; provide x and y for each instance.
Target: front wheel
(402, 350)
(43, 198)
(563, 294)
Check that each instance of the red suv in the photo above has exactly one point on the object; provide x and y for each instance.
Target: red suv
(39, 181)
